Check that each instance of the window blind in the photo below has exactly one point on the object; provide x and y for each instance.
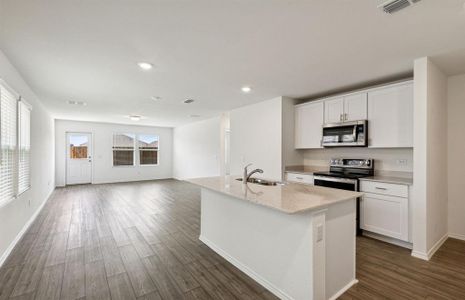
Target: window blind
(8, 143)
(123, 149)
(148, 149)
(24, 147)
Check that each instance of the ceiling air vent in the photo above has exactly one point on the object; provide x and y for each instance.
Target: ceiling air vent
(393, 6)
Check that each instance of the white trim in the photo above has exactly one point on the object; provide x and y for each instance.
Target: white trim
(26, 226)
(387, 239)
(457, 236)
(265, 283)
(432, 251)
(420, 255)
(343, 290)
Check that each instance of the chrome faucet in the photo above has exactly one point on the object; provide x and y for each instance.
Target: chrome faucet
(246, 175)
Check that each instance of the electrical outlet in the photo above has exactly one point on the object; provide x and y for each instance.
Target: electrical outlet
(402, 162)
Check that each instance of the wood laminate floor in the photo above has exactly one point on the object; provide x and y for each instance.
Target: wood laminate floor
(140, 241)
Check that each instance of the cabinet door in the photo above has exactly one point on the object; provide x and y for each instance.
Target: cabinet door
(390, 117)
(386, 215)
(308, 125)
(334, 110)
(355, 107)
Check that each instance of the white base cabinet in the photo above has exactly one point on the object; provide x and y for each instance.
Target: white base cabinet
(384, 209)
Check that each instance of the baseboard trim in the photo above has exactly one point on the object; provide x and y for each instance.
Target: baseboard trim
(457, 236)
(420, 255)
(428, 255)
(389, 240)
(343, 290)
(269, 286)
(26, 226)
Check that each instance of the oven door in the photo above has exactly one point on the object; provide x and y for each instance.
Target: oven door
(343, 184)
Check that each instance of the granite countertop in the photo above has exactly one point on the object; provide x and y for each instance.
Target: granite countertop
(305, 169)
(289, 198)
(389, 179)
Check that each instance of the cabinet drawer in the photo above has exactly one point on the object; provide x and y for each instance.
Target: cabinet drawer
(299, 178)
(382, 188)
(386, 215)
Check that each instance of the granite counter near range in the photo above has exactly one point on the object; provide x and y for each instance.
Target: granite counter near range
(389, 179)
(288, 198)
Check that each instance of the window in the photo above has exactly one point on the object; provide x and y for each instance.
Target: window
(8, 119)
(15, 146)
(24, 149)
(126, 152)
(78, 146)
(123, 149)
(148, 149)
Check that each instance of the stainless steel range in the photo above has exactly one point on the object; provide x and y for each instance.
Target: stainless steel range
(344, 173)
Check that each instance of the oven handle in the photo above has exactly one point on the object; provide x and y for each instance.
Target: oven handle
(334, 179)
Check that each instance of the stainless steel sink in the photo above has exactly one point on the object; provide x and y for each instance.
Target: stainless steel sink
(262, 181)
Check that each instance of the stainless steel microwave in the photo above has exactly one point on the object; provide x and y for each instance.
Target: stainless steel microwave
(345, 134)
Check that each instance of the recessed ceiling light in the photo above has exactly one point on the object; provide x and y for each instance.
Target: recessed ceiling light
(155, 98)
(246, 89)
(145, 65)
(135, 117)
(194, 116)
(187, 101)
(72, 102)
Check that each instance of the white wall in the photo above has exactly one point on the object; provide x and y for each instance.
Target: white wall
(456, 155)
(256, 137)
(291, 156)
(103, 170)
(15, 215)
(197, 149)
(385, 159)
(430, 157)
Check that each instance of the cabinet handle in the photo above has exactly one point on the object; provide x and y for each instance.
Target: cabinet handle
(299, 178)
(380, 188)
(341, 118)
(345, 117)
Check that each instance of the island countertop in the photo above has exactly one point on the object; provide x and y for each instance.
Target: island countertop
(289, 198)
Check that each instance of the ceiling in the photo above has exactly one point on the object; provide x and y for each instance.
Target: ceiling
(207, 50)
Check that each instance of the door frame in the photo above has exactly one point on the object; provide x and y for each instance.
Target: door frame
(91, 153)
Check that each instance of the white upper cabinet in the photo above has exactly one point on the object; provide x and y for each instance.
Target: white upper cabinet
(352, 107)
(388, 109)
(308, 125)
(390, 116)
(334, 110)
(355, 107)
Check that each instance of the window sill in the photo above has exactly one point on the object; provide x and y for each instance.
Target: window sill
(27, 189)
(6, 202)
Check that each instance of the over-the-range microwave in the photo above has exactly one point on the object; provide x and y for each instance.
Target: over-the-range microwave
(345, 134)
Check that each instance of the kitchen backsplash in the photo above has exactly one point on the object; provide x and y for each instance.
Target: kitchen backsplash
(395, 159)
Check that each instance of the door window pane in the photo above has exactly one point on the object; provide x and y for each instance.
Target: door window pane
(78, 145)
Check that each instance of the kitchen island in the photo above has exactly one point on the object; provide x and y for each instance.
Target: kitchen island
(296, 240)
